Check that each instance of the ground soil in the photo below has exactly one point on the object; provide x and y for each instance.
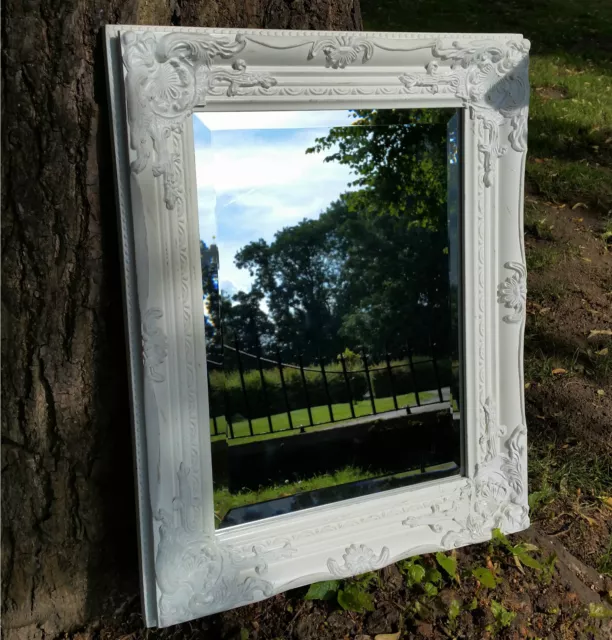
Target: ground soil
(570, 419)
(555, 607)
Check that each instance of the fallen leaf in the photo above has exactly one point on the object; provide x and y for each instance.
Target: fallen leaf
(601, 392)
(587, 259)
(527, 385)
(591, 521)
(599, 611)
(607, 500)
(538, 160)
(602, 352)
(388, 636)
(579, 204)
(600, 332)
(518, 564)
(544, 310)
(577, 219)
(558, 371)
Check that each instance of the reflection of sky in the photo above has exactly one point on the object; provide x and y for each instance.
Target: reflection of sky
(254, 178)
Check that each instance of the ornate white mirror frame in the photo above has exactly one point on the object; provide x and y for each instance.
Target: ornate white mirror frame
(157, 78)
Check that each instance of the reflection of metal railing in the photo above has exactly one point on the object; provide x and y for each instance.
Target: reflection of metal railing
(408, 361)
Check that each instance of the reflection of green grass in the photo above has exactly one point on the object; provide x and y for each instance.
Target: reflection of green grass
(320, 415)
(225, 501)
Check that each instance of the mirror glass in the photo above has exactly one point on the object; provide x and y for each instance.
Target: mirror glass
(331, 269)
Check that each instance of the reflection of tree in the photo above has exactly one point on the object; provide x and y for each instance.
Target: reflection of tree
(298, 273)
(244, 321)
(209, 261)
(374, 268)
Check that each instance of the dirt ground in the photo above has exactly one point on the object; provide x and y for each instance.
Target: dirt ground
(562, 604)
(568, 371)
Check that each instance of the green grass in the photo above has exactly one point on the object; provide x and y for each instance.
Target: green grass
(224, 500)
(544, 257)
(605, 562)
(320, 415)
(537, 223)
(547, 292)
(570, 120)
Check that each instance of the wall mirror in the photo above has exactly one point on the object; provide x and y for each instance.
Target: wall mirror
(325, 291)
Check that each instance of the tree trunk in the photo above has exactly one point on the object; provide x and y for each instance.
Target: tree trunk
(68, 525)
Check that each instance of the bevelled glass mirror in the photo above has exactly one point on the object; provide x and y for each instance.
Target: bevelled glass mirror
(324, 280)
(330, 272)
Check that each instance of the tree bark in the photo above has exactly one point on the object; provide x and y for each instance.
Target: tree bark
(68, 524)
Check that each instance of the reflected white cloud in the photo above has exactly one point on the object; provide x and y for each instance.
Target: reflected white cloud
(254, 182)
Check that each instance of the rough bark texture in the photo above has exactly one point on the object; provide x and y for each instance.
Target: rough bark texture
(68, 525)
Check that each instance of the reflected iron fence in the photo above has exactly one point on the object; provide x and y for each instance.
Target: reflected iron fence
(253, 398)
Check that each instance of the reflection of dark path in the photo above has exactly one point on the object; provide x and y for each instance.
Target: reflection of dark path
(318, 497)
(434, 405)
(385, 447)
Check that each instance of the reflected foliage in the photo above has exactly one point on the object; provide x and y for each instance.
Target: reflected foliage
(374, 266)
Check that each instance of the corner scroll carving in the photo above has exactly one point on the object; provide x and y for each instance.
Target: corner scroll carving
(197, 575)
(496, 498)
(154, 344)
(356, 560)
(167, 76)
(491, 79)
(512, 292)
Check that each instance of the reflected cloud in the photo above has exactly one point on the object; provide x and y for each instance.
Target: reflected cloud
(254, 177)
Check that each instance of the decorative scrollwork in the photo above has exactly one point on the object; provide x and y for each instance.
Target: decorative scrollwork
(512, 292)
(490, 438)
(154, 344)
(496, 498)
(356, 560)
(166, 78)
(197, 574)
(491, 79)
(342, 50)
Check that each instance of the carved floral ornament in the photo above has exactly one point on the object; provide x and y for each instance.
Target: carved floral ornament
(198, 575)
(512, 292)
(358, 559)
(342, 50)
(168, 76)
(497, 498)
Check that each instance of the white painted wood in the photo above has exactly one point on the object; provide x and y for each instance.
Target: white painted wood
(157, 78)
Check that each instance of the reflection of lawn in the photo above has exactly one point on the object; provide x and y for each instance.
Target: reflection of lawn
(320, 415)
(225, 501)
